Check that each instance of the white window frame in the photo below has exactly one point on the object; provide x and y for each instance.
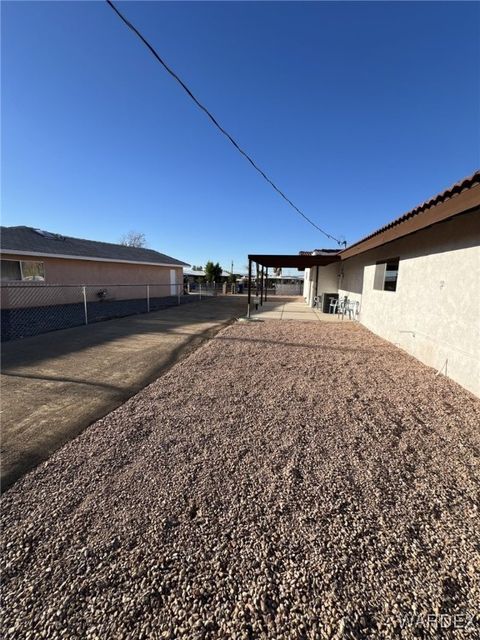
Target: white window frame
(22, 277)
(381, 274)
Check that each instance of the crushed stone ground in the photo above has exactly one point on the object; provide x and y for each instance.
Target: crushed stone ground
(288, 480)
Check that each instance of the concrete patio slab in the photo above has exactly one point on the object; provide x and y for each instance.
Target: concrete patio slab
(270, 315)
(295, 315)
(293, 308)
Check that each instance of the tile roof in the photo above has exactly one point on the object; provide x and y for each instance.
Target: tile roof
(455, 190)
(29, 240)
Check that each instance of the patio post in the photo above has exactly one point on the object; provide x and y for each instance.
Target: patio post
(261, 286)
(266, 282)
(256, 279)
(249, 296)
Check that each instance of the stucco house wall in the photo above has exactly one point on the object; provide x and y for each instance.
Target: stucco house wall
(307, 286)
(71, 271)
(328, 278)
(94, 274)
(434, 314)
(62, 271)
(320, 280)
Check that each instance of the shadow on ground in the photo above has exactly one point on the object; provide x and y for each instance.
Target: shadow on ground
(55, 385)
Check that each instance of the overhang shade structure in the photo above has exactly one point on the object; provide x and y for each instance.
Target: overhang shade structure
(278, 261)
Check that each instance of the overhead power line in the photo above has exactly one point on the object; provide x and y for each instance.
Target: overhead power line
(216, 123)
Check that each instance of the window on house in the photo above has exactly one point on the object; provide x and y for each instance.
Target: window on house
(32, 271)
(22, 270)
(386, 275)
(11, 270)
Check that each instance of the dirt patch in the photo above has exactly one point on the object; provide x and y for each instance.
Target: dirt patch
(287, 480)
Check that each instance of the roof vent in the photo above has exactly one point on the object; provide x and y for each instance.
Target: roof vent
(48, 234)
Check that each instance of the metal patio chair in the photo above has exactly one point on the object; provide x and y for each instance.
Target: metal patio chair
(343, 306)
(351, 308)
(332, 307)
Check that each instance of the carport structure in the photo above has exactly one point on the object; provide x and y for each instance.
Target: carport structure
(299, 261)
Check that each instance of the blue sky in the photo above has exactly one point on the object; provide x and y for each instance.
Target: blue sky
(359, 111)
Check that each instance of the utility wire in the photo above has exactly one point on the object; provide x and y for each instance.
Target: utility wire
(216, 123)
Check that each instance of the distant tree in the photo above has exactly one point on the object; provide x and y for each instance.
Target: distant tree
(133, 239)
(197, 268)
(213, 272)
(232, 278)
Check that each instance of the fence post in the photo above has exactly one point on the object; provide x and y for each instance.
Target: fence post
(148, 298)
(84, 291)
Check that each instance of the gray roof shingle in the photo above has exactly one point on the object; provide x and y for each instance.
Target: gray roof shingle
(27, 239)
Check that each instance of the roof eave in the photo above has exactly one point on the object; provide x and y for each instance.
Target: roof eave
(41, 254)
(465, 201)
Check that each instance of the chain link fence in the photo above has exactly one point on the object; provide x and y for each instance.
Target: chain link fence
(291, 289)
(206, 290)
(31, 309)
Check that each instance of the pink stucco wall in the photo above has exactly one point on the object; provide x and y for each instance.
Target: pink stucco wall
(96, 275)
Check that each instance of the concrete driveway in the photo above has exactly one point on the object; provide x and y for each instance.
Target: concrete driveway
(56, 384)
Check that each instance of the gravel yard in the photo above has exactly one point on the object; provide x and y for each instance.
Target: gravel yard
(288, 480)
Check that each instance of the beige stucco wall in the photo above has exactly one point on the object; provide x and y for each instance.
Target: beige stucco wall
(328, 278)
(307, 286)
(96, 275)
(435, 312)
(327, 281)
(63, 271)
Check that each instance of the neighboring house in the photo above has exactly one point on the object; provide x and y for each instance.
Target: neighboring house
(417, 281)
(35, 255)
(50, 281)
(200, 273)
(194, 273)
(195, 276)
(192, 278)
